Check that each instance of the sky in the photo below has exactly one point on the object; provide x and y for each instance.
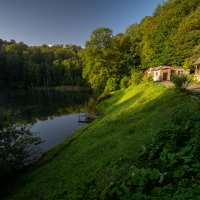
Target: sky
(37, 22)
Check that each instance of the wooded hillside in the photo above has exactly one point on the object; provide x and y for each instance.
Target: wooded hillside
(171, 36)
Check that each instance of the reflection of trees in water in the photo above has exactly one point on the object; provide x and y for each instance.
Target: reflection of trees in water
(42, 104)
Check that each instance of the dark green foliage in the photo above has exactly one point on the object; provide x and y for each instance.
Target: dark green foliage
(169, 166)
(23, 66)
(124, 83)
(16, 144)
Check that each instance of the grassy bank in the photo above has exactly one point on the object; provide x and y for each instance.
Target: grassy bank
(103, 151)
(65, 88)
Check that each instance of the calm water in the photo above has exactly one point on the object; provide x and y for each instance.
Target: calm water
(52, 114)
(54, 131)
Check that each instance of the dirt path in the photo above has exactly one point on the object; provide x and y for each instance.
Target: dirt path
(193, 87)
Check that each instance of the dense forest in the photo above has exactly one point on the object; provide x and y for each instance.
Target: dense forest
(23, 66)
(171, 36)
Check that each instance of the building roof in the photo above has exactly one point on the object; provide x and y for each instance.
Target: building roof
(156, 68)
(167, 67)
(160, 67)
(197, 62)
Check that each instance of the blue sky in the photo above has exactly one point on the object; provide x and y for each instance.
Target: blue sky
(37, 22)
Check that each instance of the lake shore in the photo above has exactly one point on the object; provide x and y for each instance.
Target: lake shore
(65, 88)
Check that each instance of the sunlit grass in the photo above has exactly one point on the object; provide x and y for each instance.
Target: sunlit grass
(103, 151)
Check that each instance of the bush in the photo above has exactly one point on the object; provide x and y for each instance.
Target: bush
(112, 84)
(147, 78)
(181, 81)
(124, 83)
(136, 77)
(16, 144)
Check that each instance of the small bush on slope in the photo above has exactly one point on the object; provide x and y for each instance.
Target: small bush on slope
(181, 81)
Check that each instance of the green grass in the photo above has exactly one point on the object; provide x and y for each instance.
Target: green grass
(103, 151)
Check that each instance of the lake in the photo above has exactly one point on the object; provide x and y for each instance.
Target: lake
(51, 113)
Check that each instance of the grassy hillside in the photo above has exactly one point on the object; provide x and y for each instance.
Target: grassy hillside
(103, 151)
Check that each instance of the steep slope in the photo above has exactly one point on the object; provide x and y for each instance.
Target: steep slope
(103, 151)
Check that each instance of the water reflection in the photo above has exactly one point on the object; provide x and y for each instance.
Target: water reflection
(54, 131)
(42, 104)
(52, 113)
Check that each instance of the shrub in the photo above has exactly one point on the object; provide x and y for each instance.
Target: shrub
(16, 144)
(147, 78)
(136, 77)
(124, 83)
(181, 81)
(112, 85)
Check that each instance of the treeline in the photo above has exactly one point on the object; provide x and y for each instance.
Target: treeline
(171, 36)
(24, 66)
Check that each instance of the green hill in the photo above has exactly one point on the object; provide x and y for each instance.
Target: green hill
(103, 152)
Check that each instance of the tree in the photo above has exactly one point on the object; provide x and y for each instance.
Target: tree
(14, 62)
(17, 144)
(95, 57)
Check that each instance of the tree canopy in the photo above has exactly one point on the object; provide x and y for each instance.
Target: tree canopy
(171, 36)
(24, 66)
